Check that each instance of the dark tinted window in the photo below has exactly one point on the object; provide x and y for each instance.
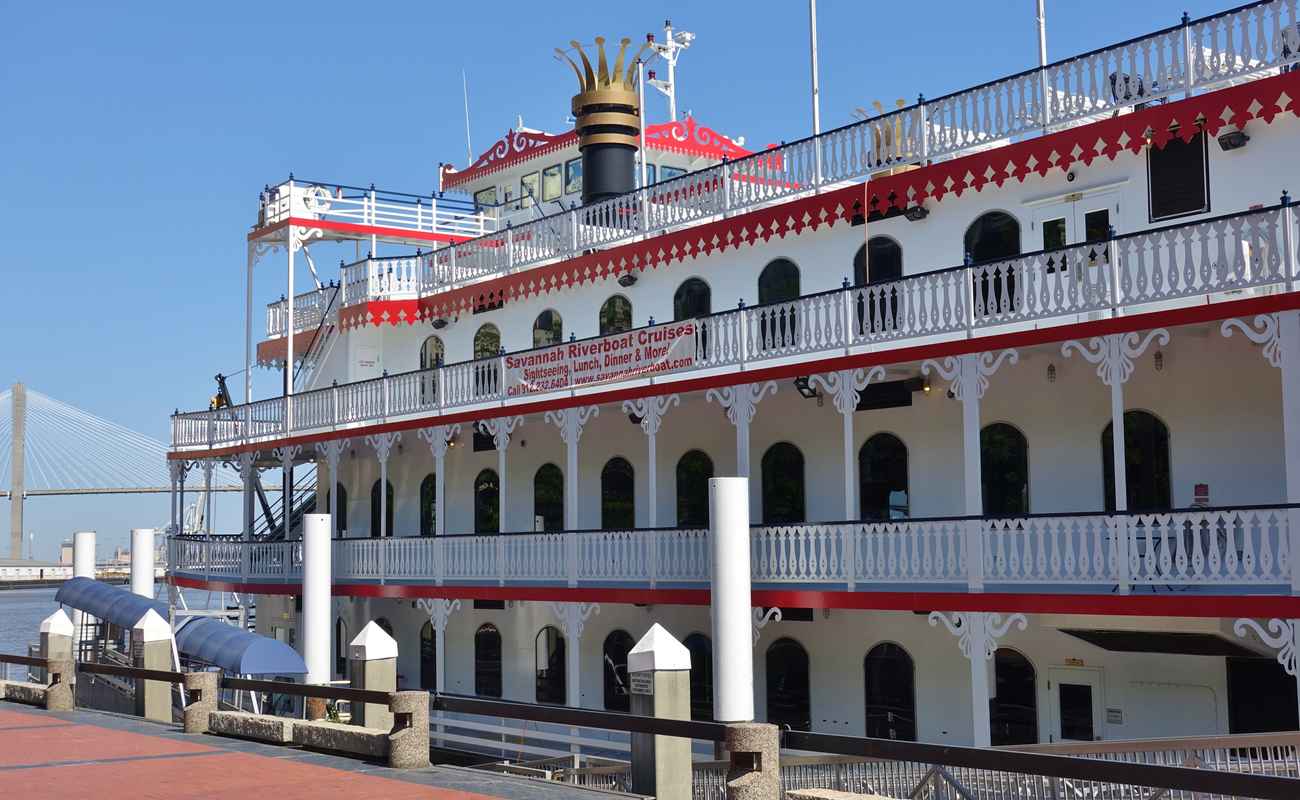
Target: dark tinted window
(890, 693)
(880, 259)
(1004, 468)
(615, 315)
(548, 497)
(992, 236)
(1013, 711)
(428, 657)
(428, 504)
(487, 661)
(548, 329)
(692, 299)
(614, 657)
(783, 488)
(701, 675)
(550, 666)
(778, 282)
(374, 511)
(789, 696)
(1146, 457)
(882, 478)
(1177, 177)
(487, 502)
(617, 486)
(694, 469)
(487, 341)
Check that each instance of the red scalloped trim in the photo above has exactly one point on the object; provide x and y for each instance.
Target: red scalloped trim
(379, 312)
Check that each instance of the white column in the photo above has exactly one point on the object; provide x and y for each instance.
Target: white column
(846, 386)
(316, 554)
(968, 377)
(733, 653)
(251, 259)
(247, 471)
(978, 633)
(741, 403)
(440, 611)
(1280, 336)
(500, 429)
(573, 618)
(651, 411)
(288, 326)
(174, 471)
(571, 421)
(439, 438)
(142, 568)
(208, 466)
(1282, 635)
(286, 455)
(83, 566)
(383, 444)
(333, 451)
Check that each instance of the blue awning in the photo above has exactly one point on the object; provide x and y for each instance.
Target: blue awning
(205, 639)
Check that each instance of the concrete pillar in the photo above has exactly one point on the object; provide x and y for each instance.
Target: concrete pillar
(733, 650)
(372, 657)
(316, 573)
(142, 568)
(151, 648)
(754, 771)
(56, 646)
(408, 739)
(200, 699)
(83, 566)
(659, 677)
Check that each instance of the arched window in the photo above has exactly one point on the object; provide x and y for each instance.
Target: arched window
(548, 497)
(341, 643)
(992, 237)
(789, 699)
(375, 531)
(487, 661)
(890, 679)
(617, 646)
(487, 503)
(550, 666)
(615, 315)
(548, 329)
(342, 509)
(692, 299)
(432, 353)
(487, 341)
(1013, 712)
(428, 657)
(385, 625)
(778, 282)
(1004, 470)
(878, 261)
(783, 489)
(882, 478)
(694, 469)
(617, 488)
(1146, 462)
(429, 505)
(701, 649)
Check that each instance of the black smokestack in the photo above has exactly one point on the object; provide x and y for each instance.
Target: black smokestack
(608, 115)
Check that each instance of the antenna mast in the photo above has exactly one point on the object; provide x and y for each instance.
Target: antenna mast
(673, 44)
(469, 148)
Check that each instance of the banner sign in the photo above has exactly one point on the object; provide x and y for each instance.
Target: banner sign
(621, 356)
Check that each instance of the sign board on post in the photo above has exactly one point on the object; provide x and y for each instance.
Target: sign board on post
(631, 354)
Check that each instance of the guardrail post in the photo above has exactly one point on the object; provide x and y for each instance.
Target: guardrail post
(1189, 79)
(501, 559)
(726, 187)
(200, 700)
(571, 556)
(573, 231)
(846, 308)
(1288, 241)
(754, 768)
(510, 248)
(383, 382)
(372, 665)
(439, 560)
(151, 648)
(974, 528)
(1112, 250)
(408, 742)
(56, 647)
(334, 403)
(924, 115)
(1119, 530)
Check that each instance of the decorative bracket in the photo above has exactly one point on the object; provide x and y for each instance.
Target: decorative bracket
(968, 374)
(651, 410)
(176, 470)
(383, 444)
(1266, 331)
(500, 429)
(332, 450)
(1114, 354)
(759, 620)
(439, 438)
(741, 401)
(287, 454)
(244, 463)
(300, 235)
(440, 609)
(1280, 636)
(846, 386)
(571, 421)
(573, 617)
(978, 631)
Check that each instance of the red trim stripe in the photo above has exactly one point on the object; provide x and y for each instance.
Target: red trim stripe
(354, 228)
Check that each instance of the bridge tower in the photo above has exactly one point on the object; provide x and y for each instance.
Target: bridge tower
(17, 491)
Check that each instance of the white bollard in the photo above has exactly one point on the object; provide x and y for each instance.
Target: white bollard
(733, 648)
(83, 566)
(142, 569)
(316, 547)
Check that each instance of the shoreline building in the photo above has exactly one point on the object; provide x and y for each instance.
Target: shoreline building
(1014, 374)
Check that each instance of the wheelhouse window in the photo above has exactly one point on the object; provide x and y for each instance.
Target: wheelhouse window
(1178, 178)
(650, 179)
(692, 299)
(486, 197)
(573, 176)
(529, 189)
(1004, 468)
(487, 341)
(701, 649)
(550, 666)
(614, 655)
(617, 495)
(1013, 711)
(783, 487)
(552, 182)
(428, 657)
(668, 173)
(1146, 462)
(375, 531)
(548, 329)
(615, 315)
(890, 679)
(487, 502)
(789, 694)
(694, 469)
(548, 498)
(487, 661)
(428, 505)
(882, 478)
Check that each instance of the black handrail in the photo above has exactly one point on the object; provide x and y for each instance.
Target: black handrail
(578, 717)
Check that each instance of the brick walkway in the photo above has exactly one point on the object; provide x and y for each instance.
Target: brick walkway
(84, 754)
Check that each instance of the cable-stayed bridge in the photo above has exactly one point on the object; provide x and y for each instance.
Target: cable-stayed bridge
(48, 447)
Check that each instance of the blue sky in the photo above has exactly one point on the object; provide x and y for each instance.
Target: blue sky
(136, 136)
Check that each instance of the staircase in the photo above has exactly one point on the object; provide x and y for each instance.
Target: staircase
(270, 526)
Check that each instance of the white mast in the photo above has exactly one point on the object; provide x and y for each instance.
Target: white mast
(673, 44)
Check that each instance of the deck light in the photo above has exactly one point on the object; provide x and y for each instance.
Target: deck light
(1051, 373)
(438, 323)
(805, 388)
(916, 213)
(1233, 140)
(1159, 359)
(627, 279)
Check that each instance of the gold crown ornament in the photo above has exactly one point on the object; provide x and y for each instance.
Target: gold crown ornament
(606, 106)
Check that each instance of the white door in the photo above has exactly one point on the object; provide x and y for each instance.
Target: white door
(1075, 219)
(1074, 701)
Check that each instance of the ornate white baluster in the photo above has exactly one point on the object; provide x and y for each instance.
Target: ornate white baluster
(978, 633)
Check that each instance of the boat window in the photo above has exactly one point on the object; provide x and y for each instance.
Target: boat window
(374, 510)
(701, 649)
(1004, 470)
(992, 236)
(617, 501)
(552, 182)
(617, 645)
(428, 504)
(789, 695)
(668, 173)
(1013, 711)
(428, 657)
(548, 498)
(882, 478)
(783, 488)
(778, 282)
(692, 299)
(615, 315)
(650, 179)
(487, 341)
(877, 261)
(694, 469)
(528, 190)
(550, 666)
(548, 329)
(573, 176)
(431, 353)
(1177, 178)
(1146, 462)
(341, 642)
(487, 502)
(890, 682)
(487, 661)
(342, 512)
(486, 197)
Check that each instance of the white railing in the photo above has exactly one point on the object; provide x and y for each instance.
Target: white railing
(1208, 261)
(393, 278)
(309, 310)
(1252, 40)
(308, 201)
(1207, 547)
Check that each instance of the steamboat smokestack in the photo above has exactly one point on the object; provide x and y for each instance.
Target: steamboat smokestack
(608, 115)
